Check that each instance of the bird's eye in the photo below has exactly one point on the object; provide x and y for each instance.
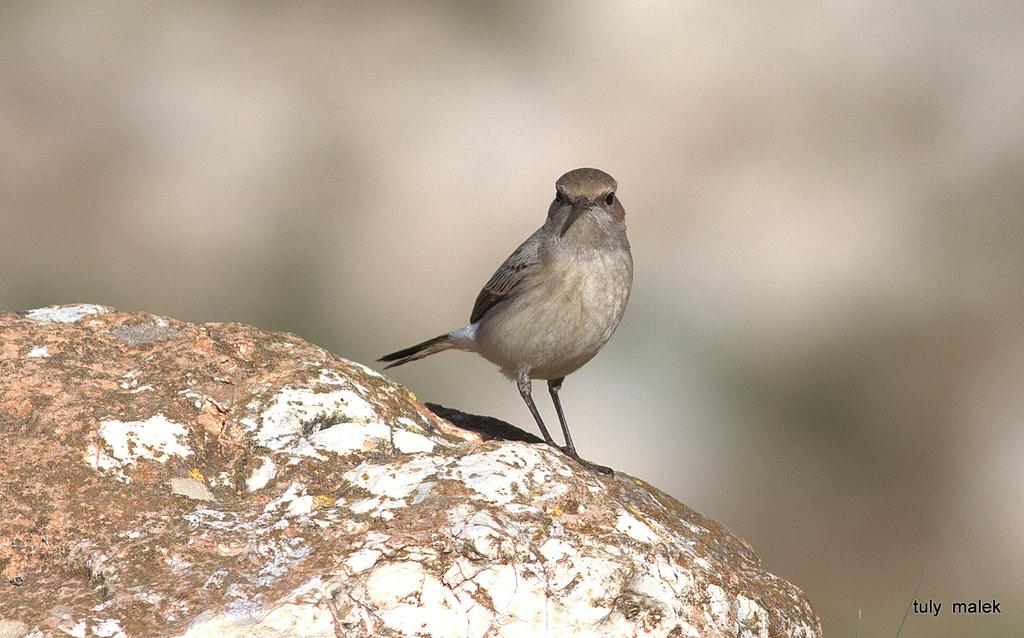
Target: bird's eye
(559, 197)
(608, 201)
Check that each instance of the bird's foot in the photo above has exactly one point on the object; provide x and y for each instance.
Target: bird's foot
(572, 454)
(593, 467)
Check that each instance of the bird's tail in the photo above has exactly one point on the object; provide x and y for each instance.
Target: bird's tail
(418, 351)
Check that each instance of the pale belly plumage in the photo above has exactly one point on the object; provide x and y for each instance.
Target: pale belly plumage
(567, 315)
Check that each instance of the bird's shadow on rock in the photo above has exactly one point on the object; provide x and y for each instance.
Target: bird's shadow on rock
(487, 427)
(491, 429)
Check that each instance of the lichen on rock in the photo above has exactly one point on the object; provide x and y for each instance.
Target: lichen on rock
(166, 478)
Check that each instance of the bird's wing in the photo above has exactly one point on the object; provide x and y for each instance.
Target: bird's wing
(503, 283)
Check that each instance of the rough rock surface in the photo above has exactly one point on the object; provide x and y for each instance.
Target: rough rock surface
(160, 478)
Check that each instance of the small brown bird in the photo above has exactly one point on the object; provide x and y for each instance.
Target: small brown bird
(556, 300)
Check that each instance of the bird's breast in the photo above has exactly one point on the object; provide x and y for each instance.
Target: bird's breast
(563, 315)
(587, 295)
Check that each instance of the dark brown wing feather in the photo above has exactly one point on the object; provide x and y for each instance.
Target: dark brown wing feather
(504, 281)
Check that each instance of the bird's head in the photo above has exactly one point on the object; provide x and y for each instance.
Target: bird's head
(585, 192)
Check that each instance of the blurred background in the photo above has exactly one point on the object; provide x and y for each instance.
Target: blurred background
(825, 345)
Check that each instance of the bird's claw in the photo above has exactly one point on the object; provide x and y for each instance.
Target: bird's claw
(593, 467)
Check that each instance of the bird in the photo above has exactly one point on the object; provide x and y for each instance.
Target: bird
(555, 301)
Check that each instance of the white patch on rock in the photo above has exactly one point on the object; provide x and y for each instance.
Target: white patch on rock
(404, 420)
(554, 549)
(75, 631)
(413, 602)
(515, 601)
(294, 491)
(197, 397)
(295, 619)
(301, 505)
(375, 540)
(584, 581)
(156, 438)
(409, 442)
(65, 314)
(330, 376)
(191, 488)
(393, 481)
(502, 474)
(486, 536)
(750, 614)
(719, 603)
(215, 579)
(204, 517)
(391, 582)
(262, 475)
(346, 438)
(129, 379)
(367, 370)
(305, 613)
(301, 620)
(391, 485)
(365, 505)
(362, 560)
(282, 426)
(636, 529)
(39, 352)
(697, 530)
(501, 582)
(109, 629)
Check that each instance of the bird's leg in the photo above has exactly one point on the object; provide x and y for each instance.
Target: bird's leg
(523, 381)
(554, 385)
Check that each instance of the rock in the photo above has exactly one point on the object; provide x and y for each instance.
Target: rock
(12, 629)
(173, 479)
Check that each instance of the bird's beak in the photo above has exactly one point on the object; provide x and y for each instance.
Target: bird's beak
(578, 208)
